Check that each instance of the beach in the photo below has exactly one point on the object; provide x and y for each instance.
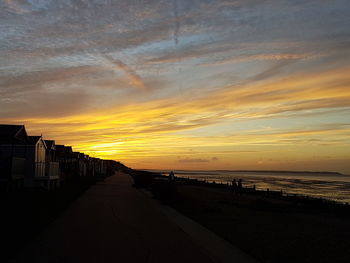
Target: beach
(269, 229)
(267, 225)
(327, 185)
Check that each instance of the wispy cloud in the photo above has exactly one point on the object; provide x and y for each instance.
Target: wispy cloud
(288, 96)
(191, 160)
(16, 6)
(134, 79)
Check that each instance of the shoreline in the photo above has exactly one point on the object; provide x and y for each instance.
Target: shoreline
(315, 186)
(252, 171)
(146, 177)
(271, 227)
(272, 193)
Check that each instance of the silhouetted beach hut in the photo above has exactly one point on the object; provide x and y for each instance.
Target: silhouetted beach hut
(35, 160)
(89, 166)
(82, 164)
(52, 170)
(13, 142)
(63, 155)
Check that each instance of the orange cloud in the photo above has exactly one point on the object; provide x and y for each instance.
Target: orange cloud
(149, 129)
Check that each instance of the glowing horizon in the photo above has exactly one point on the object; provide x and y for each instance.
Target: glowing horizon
(177, 85)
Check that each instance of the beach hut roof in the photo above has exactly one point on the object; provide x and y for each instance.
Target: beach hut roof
(13, 134)
(32, 140)
(50, 144)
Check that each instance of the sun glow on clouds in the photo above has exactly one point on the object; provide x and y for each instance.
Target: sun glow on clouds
(215, 85)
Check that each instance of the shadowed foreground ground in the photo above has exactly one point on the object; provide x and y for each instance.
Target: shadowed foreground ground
(113, 222)
(269, 229)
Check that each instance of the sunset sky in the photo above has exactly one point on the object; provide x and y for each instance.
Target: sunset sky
(182, 84)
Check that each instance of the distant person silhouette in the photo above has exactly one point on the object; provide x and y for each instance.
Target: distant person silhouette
(234, 185)
(171, 177)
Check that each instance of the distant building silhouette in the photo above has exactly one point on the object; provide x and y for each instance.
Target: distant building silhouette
(13, 146)
(31, 161)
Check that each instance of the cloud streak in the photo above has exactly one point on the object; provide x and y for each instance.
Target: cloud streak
(288, 96)
(188, 160)
(134, 79)
(16, 6)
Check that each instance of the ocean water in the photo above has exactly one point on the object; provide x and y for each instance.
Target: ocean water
(322, 185)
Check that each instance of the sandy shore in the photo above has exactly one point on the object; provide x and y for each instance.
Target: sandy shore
(269, 229)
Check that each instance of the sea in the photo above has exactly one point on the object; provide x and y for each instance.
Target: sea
(332, 186)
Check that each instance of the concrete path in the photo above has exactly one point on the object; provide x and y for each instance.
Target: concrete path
(114, 222)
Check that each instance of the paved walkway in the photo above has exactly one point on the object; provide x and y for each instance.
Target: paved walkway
(114, 222)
